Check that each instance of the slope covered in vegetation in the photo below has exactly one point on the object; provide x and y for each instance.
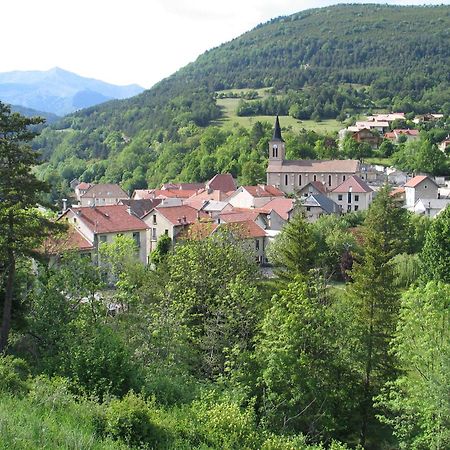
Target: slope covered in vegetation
(321, 63)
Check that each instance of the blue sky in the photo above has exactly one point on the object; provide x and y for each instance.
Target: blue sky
(133, 41)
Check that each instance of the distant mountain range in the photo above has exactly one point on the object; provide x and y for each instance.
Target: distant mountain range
(58, 91)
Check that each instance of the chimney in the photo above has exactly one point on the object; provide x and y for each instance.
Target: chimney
(184, 219)
(64, 202)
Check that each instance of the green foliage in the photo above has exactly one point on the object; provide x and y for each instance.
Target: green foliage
(293, 251)
(435, 256)
(13, 374)
(129, 419)
(163, 247)
(417, 401)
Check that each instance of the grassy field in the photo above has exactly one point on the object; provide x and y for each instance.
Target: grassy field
(230, 119)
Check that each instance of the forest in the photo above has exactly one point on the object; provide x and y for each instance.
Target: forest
(346, 346)
(334, 62)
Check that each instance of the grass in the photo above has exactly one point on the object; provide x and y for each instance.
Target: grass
(380, 161)
(230, 119)
(26, 425)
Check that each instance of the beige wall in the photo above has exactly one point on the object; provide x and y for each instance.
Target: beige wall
(425, 189)
(100, 201)
(360, 200)
(295, 183)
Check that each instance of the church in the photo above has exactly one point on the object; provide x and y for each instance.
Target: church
(292, 175)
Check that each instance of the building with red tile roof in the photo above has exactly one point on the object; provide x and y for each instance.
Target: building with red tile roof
(103, 194)
(255, 196)
(420, 187)
(353, 194)
(221, 182)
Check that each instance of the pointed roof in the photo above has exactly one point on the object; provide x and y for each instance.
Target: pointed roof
(413, 182)
(356, 184)
(328, 205)
(277, 131)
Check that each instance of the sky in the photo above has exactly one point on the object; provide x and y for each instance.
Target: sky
(132, 41)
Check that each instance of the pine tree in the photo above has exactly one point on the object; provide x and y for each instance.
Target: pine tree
(21, 226)
(376, 299)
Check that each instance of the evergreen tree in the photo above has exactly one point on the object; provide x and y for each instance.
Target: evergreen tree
(21, 226)
(375, 299)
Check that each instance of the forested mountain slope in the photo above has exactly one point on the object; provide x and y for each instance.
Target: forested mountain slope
(317, 63)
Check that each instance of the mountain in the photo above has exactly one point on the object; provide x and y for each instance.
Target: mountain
(316, 64)
(29, 112)
(58, 91)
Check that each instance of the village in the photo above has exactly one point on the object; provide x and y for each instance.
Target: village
(254, 214)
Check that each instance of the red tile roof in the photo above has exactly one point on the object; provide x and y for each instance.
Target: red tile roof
(355, 183)
(70, 240)
(397, 192)
(198, 230)
(83, 186)
(264, 191)
(407, 132)
(107, 219)
(105, 191)
(243, 230)
(183, 214)
(413, 182)
(240, 215)
(222, 182)
(281, 205)
(183, 186)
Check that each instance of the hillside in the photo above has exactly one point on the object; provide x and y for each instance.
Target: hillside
(318, 64)
(58, 91)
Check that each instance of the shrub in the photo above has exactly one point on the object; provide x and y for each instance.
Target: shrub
(128, 419)
(13, 374)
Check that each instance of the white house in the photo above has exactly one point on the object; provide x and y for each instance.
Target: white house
(352, 195)
(420, 187)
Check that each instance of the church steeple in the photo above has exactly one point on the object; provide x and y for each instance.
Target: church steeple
(277, 131)
(276, 145)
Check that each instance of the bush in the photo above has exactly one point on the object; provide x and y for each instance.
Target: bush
(128, 419)
(13, 375)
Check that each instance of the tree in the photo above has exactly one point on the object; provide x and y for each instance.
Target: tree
(293, 251)
(435, 256)
(21, 226)
(376, 299)
(418, 401)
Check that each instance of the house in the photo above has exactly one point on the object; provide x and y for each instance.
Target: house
(254, 196)
(317, 205)
(431, 207)
(376, 125)
(366, 136)
(396, 177)
(223, 182)
(395, 135)
(283, 206)
(95, 225)
(103, 194)
(215, 208)
(420, 187)
(170, 220)
(313, 187)
(81, 189)
(290, 176)
(390, 117)
(253, 237)
(353, 194)
(142, 206)
(444, 145)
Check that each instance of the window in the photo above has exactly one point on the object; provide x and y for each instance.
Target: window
(349, 208)
(308, 208)
(257, 244)
(166, 232)
(137, 238)
(275, 151)
(286, 179)
(340, 197)
(299, 180)
(153, 234)
(154, 219)
(356, 207)
(349, 197)
(102, 239)
(329, 180)
(356, 198)
(343, 178)
(315, 177)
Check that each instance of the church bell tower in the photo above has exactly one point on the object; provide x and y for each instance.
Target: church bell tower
(276, 144)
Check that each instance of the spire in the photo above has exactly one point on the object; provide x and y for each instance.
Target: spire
(277, 131)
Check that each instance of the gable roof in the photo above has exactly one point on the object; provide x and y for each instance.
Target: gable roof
(107, 219)
(355, 183)
(241, 215)
(83, 186)
(141, 206)
(183, 186)
(243, 230)
(414, 182)
(282, 206)
(318, 185)
(109, 190)
(180, 215)
(263, 190)
(222, 182)
(70, 240)
(319, 200)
